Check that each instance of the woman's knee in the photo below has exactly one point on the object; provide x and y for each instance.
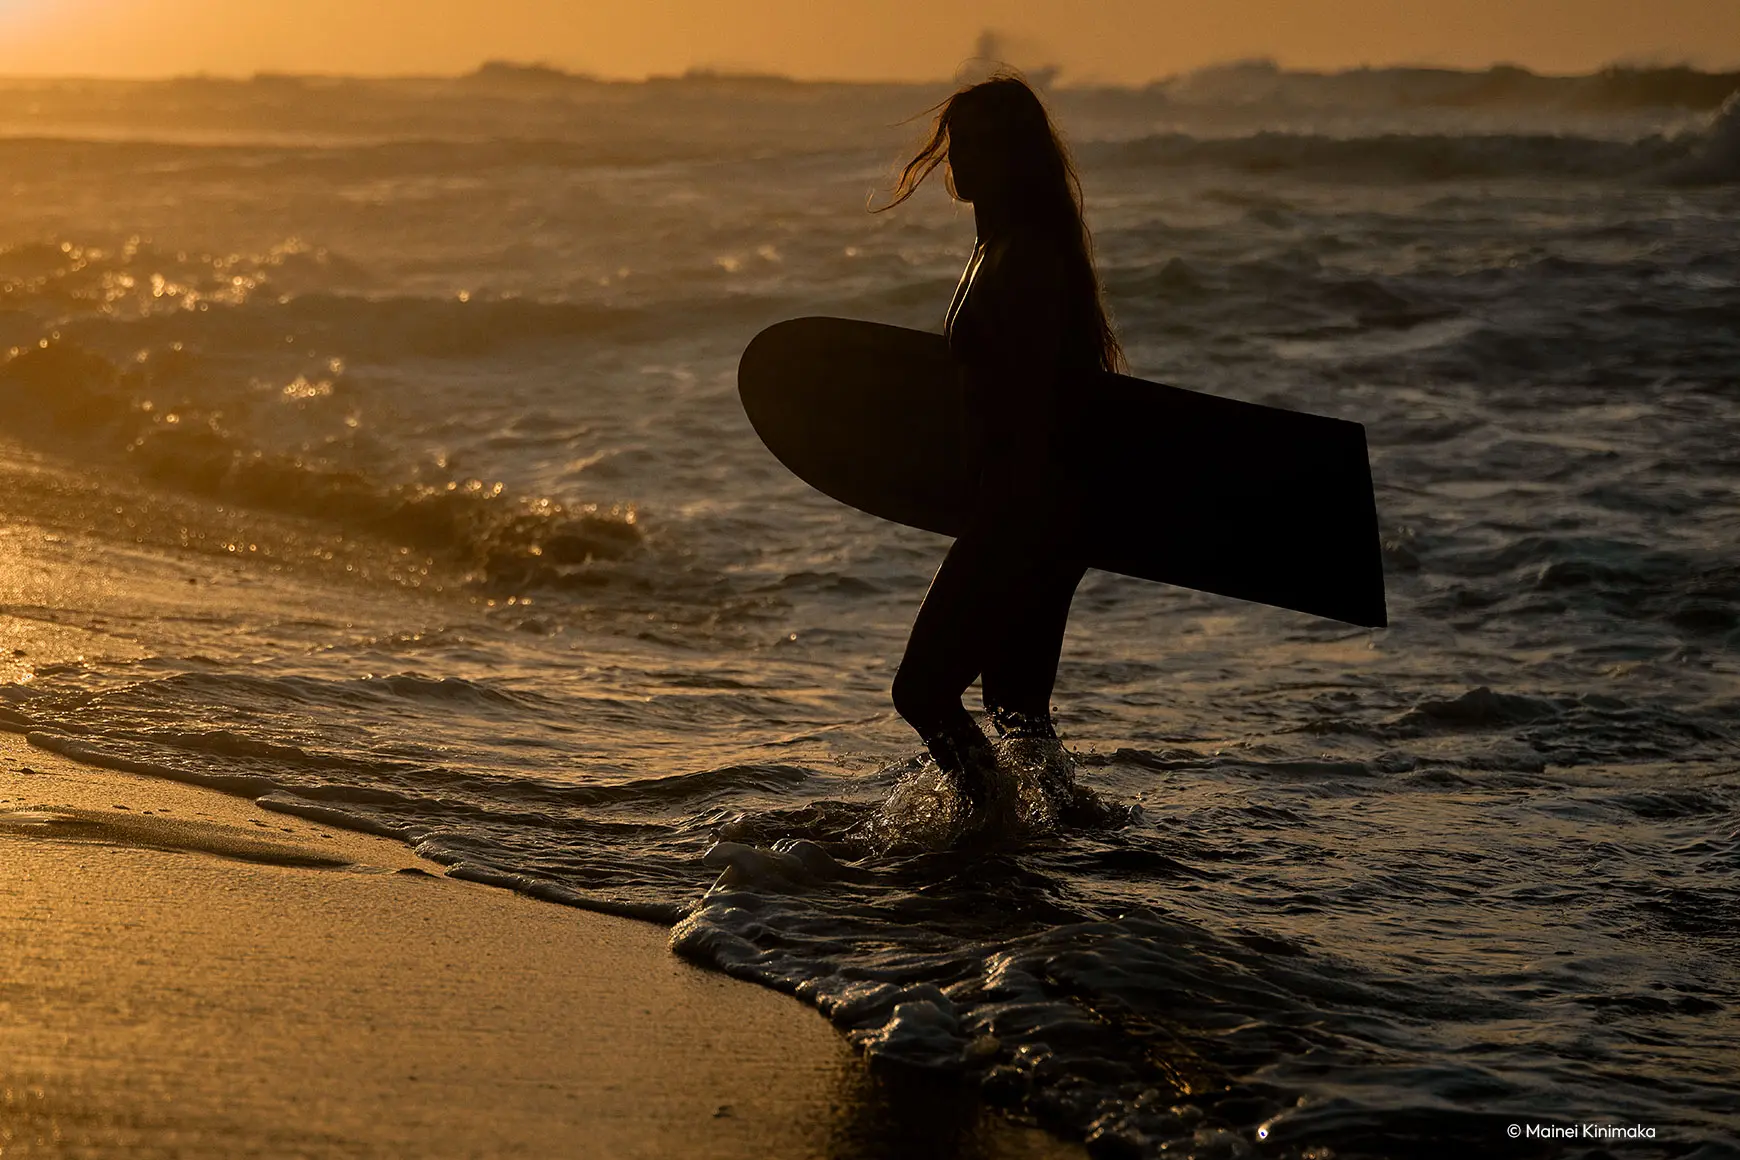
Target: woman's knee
(915, 699)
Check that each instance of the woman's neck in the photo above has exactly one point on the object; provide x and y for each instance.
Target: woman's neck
(991, 222)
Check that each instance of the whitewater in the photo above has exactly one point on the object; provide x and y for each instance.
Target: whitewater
(380, 438)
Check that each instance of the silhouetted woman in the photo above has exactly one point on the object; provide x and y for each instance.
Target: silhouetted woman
(1025, 323)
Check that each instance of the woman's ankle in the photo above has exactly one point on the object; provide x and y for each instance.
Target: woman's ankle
(1019, 725)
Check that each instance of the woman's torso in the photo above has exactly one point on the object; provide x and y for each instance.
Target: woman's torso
(1005, 298)
(975, 327)
(998, 303)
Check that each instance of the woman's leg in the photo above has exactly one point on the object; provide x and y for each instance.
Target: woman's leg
(946, 651)
(1021, 658)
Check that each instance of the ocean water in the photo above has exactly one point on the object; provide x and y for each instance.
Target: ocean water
(381, 441)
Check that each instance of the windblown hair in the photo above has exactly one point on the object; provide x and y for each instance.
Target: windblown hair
(1043, 192)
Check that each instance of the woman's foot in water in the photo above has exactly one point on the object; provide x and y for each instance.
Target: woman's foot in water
(966, 757)
(1028, 747)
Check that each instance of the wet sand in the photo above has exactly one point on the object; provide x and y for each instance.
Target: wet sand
(185, 974)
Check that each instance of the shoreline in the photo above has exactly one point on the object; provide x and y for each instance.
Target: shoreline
(188, 974)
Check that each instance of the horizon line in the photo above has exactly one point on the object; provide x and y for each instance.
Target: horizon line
(1047, 75)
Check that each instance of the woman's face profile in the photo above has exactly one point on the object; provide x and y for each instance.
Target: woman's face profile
(970, 163)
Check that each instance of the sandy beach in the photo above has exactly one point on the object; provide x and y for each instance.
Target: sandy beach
(185, 974)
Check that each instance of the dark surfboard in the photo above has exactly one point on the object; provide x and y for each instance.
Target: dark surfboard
(1190, 489)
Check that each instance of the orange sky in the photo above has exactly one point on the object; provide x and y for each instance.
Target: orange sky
(1120, 40)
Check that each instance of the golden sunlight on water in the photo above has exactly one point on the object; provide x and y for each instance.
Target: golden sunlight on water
(30, 643)
(27, 645)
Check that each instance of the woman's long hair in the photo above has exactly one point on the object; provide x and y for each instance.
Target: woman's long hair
(1042, 189)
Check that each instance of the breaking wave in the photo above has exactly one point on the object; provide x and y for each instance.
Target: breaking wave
(309, 443)
(1708, 154)
(1615, 88)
